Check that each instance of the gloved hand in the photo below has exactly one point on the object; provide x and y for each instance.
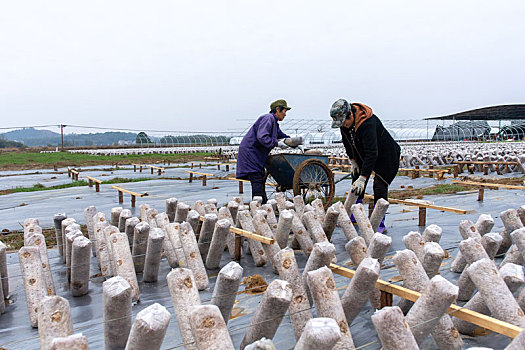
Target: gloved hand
(282, 145)
(290, 142)
(358, 187)
(354, 168)
(294, 141)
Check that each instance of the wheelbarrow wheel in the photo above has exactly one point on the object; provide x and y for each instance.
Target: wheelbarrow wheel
(272, 187)
(313, 179)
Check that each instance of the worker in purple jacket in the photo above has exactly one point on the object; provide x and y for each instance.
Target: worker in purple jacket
(258, 142)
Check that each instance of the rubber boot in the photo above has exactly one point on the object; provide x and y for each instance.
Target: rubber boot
(352, 216)
(382, 227)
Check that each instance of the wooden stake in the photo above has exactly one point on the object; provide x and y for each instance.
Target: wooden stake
(422, 216)
(238, 243)
(386, 299)
(481, 191)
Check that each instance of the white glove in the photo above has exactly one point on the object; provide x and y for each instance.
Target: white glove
(282, 145)
(358, 187)
(354, 168)
(294, 141)
(298, 140)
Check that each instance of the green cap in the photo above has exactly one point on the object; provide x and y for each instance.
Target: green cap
(279, 103)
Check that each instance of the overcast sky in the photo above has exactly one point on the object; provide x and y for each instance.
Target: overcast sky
(202, 65)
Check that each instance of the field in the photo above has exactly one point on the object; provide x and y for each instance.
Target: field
(40, 194)
(23, 160)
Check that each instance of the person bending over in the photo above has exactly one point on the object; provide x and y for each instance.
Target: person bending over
(369, 146)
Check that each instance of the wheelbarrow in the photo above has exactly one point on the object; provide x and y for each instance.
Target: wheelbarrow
(300, 174)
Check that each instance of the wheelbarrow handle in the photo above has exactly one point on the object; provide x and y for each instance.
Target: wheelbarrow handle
(343, 178)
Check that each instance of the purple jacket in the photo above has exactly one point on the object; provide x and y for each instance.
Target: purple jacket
(257, 144)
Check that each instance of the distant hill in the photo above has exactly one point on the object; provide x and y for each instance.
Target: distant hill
(35, 137)
(28, 133)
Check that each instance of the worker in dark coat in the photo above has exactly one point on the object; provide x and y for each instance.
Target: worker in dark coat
(369, 146)
(258, 142)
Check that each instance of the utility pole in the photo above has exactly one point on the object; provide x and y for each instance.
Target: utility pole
(62, 126)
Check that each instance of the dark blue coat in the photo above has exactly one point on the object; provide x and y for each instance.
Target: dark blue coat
(257, 144)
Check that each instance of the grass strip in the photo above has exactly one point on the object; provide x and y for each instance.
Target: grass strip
(444, 189)
(31, 159)
(80, 183)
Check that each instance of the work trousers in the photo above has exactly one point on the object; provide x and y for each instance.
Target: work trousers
(258, 186)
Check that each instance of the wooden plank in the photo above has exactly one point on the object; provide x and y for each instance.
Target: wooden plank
(488, 184)
(429, 206)
(422, 205)
(252, 235)
(93, 179)
(483, 162)
(120, 189)
(214, 164)
(155, 167)
(197, 173)
(242, 180)
(476, 318)
(249, 234)
(426, 170)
